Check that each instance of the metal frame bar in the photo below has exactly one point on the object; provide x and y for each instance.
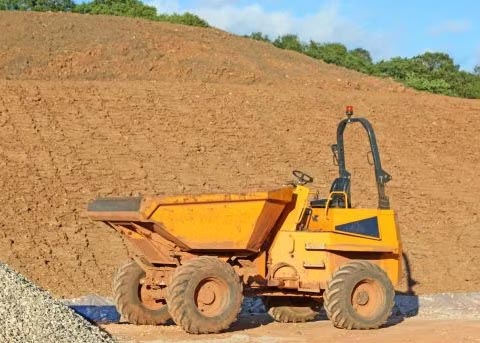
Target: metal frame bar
(381, 176)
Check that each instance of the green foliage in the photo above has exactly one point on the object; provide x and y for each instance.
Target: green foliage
(433, 72)
(397, 67)
(336, 53)
(433, 86)
(185, 19)
(259, 36)
(329, 52)
(466, 85)
(359, 63)
(289, 42)
(126, 8)
(436, 62)
(361, 54)
(37, 5)
(476, 70)
(12, 5)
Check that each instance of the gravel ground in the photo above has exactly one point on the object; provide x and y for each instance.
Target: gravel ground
(30, 314)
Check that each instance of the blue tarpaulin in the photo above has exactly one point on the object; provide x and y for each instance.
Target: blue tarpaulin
(97, 314)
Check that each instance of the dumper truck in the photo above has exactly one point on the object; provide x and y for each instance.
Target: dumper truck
(197, 256)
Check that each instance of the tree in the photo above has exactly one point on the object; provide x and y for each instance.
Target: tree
(289, 42)
(186, 18)
(466, 85)
(397, 67)
(259, 36)
(10, 5)
(336, 53)
(329, 52)
(37, 5)
(439, 86)
(436, 61)
(128, 8)
(476, 70)
(362, 54)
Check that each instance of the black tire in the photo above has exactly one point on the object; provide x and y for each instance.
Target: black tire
(291, 309)
(127, 290)
(359, 296)
(205, 295)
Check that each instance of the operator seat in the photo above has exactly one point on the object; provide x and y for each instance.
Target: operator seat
(340, 184)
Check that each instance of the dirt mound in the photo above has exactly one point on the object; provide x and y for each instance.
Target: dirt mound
(53, 46)
(96, 105)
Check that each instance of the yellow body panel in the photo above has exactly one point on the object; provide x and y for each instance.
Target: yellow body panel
(150, 204)
(314, 249)
(220, 221)
(388, 233)
(303, 249)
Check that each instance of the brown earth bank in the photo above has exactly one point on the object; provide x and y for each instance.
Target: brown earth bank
(93, 105)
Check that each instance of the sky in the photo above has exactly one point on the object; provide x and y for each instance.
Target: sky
(386, 28)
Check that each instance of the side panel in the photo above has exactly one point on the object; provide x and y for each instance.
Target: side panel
(267, 219)
(288, 259)
(346, 234)
(373, 228)
(209, 225)
(219, 226)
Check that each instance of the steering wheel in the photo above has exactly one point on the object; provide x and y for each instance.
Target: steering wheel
(302, 178)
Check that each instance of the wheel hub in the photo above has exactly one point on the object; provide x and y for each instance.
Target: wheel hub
(210, 297)
(362, 298)
(367, 298)
(206, 295)
(150, 299)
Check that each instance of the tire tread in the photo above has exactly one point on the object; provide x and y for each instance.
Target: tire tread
(333, 296)
(123, 281)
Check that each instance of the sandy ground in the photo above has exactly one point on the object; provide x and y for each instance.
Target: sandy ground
(260, 329)
(95, 106)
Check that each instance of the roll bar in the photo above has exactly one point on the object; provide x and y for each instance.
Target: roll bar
(381, 176)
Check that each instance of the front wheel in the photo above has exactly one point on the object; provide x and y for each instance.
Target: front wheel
(135, 302)
(359, 296)
(205, 295)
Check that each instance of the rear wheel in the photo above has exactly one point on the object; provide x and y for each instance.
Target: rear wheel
(291, 309)
(205, 295)
(136, 302)
(359, 296)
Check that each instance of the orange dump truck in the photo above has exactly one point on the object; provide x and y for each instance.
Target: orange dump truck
(198, 255)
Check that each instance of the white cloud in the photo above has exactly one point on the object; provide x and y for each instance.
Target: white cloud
(165, 6)
(246, 19)
(451, 26)
(214, 3)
